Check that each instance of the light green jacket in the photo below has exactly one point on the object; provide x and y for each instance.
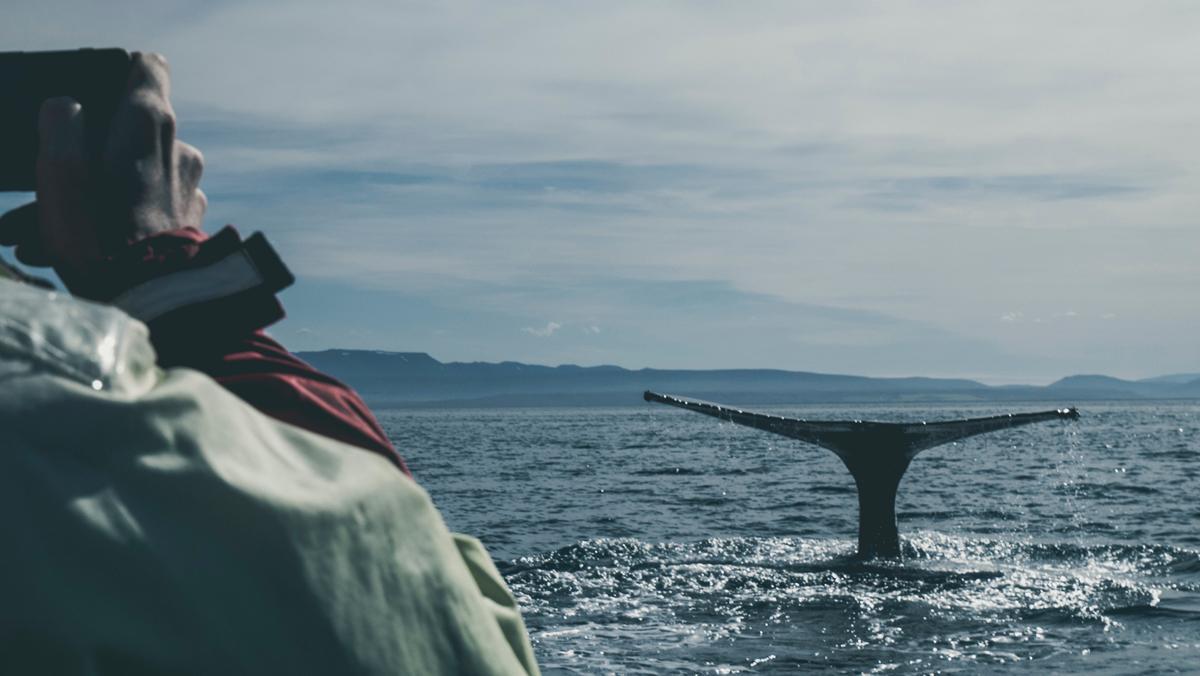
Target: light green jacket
(154, 523)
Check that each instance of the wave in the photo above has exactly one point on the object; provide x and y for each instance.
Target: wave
(969, 601)
(668, 471)
(922, 546)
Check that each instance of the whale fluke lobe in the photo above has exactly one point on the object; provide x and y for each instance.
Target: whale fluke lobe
(876, 453)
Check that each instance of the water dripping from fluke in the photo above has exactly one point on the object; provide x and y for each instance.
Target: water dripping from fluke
(876, 453)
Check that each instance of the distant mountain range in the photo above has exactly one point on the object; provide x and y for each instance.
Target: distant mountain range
(417, 379)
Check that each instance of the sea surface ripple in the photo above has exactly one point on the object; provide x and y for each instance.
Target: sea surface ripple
(649, 540)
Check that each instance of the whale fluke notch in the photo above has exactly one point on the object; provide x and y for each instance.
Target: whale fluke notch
(876, 453)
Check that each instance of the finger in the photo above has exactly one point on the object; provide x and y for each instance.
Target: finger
(149, 71)
(144, 124)
(191, 163)
(19, 225)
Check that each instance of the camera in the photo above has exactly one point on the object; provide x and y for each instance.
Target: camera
(96, 78)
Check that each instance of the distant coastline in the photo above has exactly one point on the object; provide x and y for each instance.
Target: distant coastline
(403, 379)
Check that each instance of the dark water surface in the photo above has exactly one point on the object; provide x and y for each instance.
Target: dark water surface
(653, 540)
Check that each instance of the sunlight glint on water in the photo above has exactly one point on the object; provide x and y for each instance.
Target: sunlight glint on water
(648, 540)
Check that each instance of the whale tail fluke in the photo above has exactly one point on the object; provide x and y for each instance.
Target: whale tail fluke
(876, 453)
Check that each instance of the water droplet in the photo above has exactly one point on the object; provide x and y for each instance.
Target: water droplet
(97, 385)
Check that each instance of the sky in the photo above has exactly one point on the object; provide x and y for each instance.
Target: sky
(1005, 191)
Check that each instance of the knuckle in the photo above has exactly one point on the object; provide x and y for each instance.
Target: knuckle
(149, 61)
(190, 158)
(149, 70)
(167, 122)
(143, 110)
(151, 111)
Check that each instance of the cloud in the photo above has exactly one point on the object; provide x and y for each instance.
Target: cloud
(936, 162)
(546, 331)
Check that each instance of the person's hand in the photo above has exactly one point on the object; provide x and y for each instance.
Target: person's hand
(149, 183)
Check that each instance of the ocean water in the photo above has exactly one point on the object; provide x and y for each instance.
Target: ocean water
(654, 540)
